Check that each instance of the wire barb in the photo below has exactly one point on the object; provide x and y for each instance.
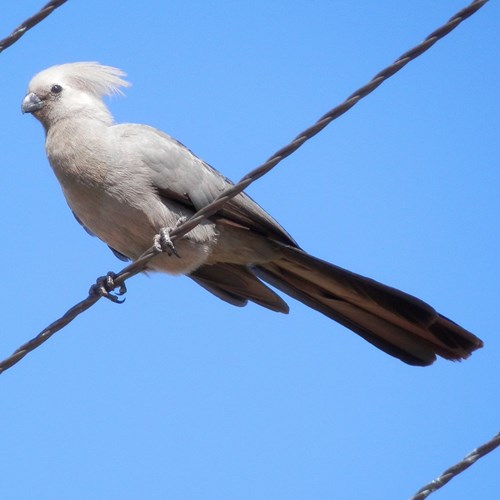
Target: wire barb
(30, 23)
(456, 469)
(140, 264)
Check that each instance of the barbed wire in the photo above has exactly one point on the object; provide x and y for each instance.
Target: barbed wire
(456, 469)
(29, 23)
(105, 286)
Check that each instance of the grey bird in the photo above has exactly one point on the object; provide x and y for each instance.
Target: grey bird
(127, 182)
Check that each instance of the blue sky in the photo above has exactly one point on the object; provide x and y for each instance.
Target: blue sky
(178, 395)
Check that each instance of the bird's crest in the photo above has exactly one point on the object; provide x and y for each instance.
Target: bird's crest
(90, 77)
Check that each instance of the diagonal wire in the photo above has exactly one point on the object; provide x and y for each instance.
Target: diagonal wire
(29, 23)
(456, 469)
(141, 263)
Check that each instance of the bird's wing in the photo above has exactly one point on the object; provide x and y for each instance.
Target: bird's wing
(179, 175)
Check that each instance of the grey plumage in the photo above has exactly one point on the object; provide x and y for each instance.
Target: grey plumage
(125, 182)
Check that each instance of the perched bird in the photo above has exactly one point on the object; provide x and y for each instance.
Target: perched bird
(126, 182)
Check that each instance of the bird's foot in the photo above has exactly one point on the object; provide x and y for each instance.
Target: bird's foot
(164, 243)
(105, 286)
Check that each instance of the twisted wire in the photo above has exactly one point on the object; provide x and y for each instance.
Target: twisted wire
(29, 23)
(456, 469)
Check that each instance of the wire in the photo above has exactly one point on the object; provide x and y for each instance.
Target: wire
(29, 23)
(456, 469)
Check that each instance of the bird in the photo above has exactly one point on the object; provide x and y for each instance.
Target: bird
(126, 183)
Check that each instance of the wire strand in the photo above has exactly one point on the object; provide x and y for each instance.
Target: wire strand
(456, 469)
(29, 23)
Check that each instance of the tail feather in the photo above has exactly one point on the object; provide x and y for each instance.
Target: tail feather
(395, 322)
(395, 341)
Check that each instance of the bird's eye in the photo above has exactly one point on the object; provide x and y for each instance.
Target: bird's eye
(56, 89)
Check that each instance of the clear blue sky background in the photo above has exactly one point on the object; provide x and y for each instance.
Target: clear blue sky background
(178, 395)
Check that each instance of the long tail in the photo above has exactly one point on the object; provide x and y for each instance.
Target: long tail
(399, 324)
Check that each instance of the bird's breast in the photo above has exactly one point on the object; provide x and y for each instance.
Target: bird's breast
(113, 196)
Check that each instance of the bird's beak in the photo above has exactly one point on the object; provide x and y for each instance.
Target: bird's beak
(31, 103)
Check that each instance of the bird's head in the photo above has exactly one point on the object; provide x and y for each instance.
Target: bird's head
(73, 89)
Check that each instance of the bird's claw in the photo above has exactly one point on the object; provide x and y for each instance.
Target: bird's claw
(164, 243)
(105, 286)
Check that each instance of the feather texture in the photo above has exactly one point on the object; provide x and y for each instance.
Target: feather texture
(90, 77)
